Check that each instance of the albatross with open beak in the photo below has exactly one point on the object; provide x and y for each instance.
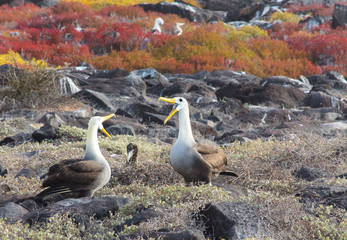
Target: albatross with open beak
(194, 161)
(80, 177)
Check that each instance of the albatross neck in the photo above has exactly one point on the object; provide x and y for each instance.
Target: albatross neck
(92, 146)
(185, 130)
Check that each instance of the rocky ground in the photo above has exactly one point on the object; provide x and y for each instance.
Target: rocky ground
(284, 137)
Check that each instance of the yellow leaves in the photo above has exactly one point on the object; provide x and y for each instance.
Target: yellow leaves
(248, 32)
(285, 17)
(245, 33)
(13, 58)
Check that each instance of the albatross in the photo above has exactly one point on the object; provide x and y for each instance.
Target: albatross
(80, 177)
(157, 25)
(177, 28)
(196, 162)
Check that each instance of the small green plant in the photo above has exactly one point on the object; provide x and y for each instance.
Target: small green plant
(224, 100)
(9, 126)
(326, 225)
(72, 132)
(129, 229)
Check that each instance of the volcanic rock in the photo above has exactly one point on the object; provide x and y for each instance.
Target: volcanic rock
(192, 13)
(49, 130)
(233, 220)
(142, 216)
(95, 99)
(270, 95)
(12, 212)
(326, 195)
(309, 173)
(80, 209)
(319, 99)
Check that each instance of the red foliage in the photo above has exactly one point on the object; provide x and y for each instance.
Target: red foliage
(281, 31)
(15, 14)
(130, 12)
(39, 21)
(316, 9)
(120, 37)
(324, 49)
(71, 7)
(4, 45)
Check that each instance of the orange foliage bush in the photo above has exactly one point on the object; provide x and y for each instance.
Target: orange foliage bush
(203, 48)
(273, 57)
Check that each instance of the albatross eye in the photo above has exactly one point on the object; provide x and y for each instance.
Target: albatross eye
(180, 100)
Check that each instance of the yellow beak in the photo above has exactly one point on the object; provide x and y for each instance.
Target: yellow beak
(108, 117)
(172, 101)
(169, 100)
(104, 119)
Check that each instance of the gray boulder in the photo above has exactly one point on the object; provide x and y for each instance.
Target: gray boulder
(188, 86)
(50, 129)
(246, 13)
(121, 129)
(130, 85)
(339, 16)
(225, 5)
(151, 76)
(320, 99)
(114, 73)
(25, 172)
(234, 220)
(12, 212)
(142, 216)
(309, 173)
(286, 81)
(16, 140)
(326, 195)
(328, 80)
(95, 99)
(80, 209)
(192, 13)
(270, 95)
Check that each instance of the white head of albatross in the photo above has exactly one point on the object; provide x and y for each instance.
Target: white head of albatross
(194, 161)
(157, 25)
(177, 28)
(92, 145)
(80, 177)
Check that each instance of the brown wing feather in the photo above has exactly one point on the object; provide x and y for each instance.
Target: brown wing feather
(215, 157)
(78, 174)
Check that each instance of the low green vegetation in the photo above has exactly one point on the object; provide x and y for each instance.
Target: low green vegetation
(265, 169)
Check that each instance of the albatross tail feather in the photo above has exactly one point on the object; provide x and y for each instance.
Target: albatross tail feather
(228, 173)
(53, 191)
